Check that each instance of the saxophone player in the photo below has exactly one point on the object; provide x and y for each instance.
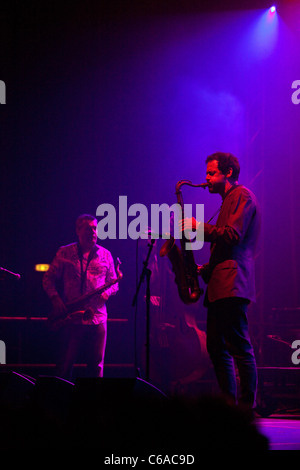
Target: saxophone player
(229, 276)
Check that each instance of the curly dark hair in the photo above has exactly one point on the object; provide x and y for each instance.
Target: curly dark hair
(225, 162)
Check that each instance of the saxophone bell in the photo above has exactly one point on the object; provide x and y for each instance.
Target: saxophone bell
(167, 247)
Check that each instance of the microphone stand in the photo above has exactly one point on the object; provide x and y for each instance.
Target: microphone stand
(146, 272)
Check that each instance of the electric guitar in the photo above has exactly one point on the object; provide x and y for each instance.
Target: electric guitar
(75, 311)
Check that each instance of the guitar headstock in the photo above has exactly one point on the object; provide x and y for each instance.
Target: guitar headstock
(120, 274)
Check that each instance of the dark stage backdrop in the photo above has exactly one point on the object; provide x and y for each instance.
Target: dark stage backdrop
(117, 98)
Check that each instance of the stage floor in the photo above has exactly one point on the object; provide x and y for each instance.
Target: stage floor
(283, 432)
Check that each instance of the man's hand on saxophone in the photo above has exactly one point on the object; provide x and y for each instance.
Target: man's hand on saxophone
(189, 224)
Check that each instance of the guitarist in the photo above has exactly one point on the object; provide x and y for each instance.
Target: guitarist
(77, 269)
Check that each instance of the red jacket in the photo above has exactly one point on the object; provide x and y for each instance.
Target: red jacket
(230, 271)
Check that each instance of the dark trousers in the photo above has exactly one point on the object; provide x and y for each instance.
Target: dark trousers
(91, 340)
(228, 341)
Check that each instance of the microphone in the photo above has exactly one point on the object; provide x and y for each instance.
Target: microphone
(6, 273)
(156, 235)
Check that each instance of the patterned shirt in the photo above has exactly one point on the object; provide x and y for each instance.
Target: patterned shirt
(71, 275)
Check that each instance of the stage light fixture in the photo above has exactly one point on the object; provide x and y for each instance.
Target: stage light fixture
(41, 267)
(273, 9)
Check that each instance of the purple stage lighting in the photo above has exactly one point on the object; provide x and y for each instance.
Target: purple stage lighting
(273, 9)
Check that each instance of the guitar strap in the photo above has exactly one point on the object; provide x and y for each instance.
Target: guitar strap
(83, 272)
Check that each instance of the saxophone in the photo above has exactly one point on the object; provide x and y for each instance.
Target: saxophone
(183, 263)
